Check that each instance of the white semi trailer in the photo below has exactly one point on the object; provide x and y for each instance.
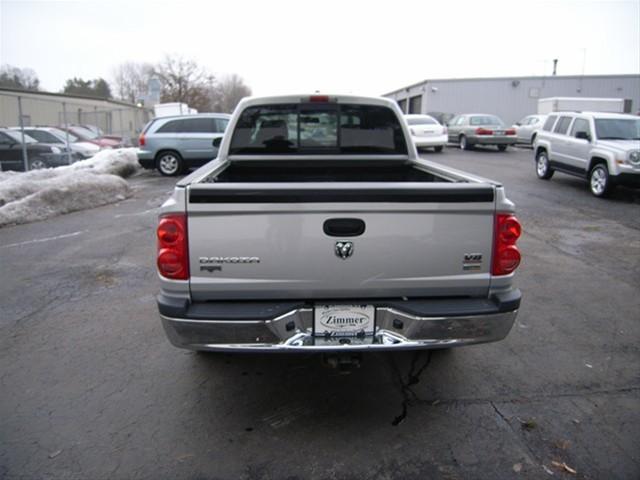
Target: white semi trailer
(581, 104)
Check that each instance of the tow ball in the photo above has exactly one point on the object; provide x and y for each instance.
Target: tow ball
(343, 362)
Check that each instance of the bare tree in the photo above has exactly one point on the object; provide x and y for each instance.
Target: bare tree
(18, 78)
(228, 92)
(131, 80)
(183, 80)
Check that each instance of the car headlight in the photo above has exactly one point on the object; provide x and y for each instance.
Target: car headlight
(56, 150)
(634, 157)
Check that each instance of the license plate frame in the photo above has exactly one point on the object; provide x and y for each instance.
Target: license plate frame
(344, 320)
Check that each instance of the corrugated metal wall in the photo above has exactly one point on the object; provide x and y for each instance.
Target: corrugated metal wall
(43, 109)
(513, 98)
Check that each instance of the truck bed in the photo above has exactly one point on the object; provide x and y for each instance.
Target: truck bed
(324, 171)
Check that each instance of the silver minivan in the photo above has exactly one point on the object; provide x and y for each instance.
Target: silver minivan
(175, 144)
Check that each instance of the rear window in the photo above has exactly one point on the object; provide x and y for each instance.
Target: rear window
(173, 126)
(563, 125)
(43, 136)
(318, 129)
(421, 121)
(485, 120)
(548, 125)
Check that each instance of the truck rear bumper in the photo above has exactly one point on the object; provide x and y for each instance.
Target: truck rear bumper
(413, 324)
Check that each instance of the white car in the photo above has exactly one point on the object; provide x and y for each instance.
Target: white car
(527, 129)
(53, 135)
(426, 132)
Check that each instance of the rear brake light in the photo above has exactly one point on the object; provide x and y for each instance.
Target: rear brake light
(173, 250)
(483, 131)
(319, 98)
(510, 131)
(506, 256)
(141, 140)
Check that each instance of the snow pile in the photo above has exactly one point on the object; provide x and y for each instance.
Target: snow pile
(30, 196)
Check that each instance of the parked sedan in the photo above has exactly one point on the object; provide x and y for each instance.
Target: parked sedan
(86, 135)
(58, 137)
(40, 155)
(471, 129)
(426, 132)
(527, 128)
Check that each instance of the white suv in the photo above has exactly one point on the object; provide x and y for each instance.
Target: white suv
(601, 147)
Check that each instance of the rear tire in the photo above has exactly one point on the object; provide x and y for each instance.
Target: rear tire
(502, 148)
(169, 164)
(600, 181)
(543, 169)
(438, 148)
(464, 144)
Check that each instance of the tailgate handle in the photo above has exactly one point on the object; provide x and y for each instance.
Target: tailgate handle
(344, 227)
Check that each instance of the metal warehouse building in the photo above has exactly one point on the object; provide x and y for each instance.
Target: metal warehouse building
(52, 109)
(511, 98)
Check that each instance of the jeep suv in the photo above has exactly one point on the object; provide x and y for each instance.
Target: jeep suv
(603, 148)
(175, 144)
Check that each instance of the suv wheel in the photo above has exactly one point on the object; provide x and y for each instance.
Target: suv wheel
(169, 164)
(599, 180)
(464, 145)
(544, 171)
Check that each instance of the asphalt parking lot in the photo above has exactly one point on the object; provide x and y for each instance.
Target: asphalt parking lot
(91, 388)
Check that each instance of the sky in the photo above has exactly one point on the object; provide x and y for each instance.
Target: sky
(366, 47)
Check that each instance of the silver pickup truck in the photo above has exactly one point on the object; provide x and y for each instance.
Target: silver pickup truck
(318, 228)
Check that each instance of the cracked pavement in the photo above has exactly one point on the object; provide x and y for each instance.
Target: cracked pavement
(91, 388)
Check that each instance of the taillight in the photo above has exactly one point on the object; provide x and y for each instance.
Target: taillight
(483, 131)
(319, 98)
(510, 131)
(173, 250)
(141, 140)
(506, 256)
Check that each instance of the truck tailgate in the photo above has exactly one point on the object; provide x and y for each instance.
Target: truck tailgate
(256, 241)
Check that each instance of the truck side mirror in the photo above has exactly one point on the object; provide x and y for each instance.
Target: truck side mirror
(216, 142)
(583, 136)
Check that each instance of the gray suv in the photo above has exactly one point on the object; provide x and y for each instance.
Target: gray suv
(603, 148)
(175, 144)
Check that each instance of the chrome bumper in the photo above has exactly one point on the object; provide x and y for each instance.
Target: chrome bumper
(293, 332)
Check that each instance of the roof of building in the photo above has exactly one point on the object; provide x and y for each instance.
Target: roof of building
(530, 77)
(65, 95)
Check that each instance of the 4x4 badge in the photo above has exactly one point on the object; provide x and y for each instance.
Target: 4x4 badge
(344, 249)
